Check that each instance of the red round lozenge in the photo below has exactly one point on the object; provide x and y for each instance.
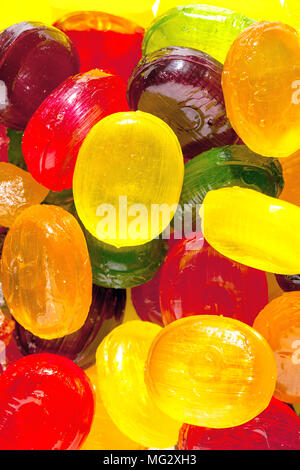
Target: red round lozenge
(46, 403)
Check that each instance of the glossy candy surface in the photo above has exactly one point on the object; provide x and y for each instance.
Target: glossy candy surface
(276, 428)
(212, 371)
(46, 273)
(55, 133)
(145, 299)
(34, 59)
(128, 163)
(38, 396)
(207, 28)
(279, 323)
(197, 280)
(261, 88)
(18, 190)
(256, 230)
(183, 87)
(288, 283)
(120, 365)
(4, 142)
(106, 312)
(104, 41)
(291, 169)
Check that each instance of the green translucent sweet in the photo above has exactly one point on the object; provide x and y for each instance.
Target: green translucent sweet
(207, 28)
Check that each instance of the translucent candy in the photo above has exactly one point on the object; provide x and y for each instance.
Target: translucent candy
(256, 230)
(212, 371)
(120, 365)
(291, 169)
(288, 283)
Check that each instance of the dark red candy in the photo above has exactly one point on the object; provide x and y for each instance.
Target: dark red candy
(197, 280)
(288, 283)
(34, 60)
(183, 87)
(46, 402)
(276, 428)
(55, 132)
(104, 41)
(145, 299)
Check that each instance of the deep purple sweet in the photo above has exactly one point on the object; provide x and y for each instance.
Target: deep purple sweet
(34, 60)
(183, 87)
(288, 283)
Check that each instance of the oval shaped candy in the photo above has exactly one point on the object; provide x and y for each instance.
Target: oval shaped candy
(279, 323)
(212, 371)
(46, 272)
(55, 133)
(183, 87)
(18, 190)
(129, 167)
(38, 396)
(120, 366)
(104, 41)
(253, 229)
(261, 88)
(207, 28)
(34, 60)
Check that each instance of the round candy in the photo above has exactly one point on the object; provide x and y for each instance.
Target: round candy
(197, 280)
(104, 434)
(57, 129)
(279, 323)
(291, 168)
(276, 428)
(288, 283)
(106, 312)
(211, 371)
(254, 229)
(46, 272)
(38, 397)
(18, 190)
(120, 365)
(261, 88)
(207, 28)
(129, 171)
(34, 59)
(105, 41)
(183, 88)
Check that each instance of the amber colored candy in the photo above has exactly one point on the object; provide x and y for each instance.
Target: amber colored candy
(210, 370)
(291, 169)
(261, 88)
(104, 434)
(46, 272)
(6, 329)
(18, 190)
(120, 365)
(279, 323)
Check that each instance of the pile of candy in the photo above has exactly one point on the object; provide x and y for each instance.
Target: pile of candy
(162, 159)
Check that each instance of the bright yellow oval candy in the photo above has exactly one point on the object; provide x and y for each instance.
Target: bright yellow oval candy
(120, 365)
(253, 229)
(129, 167)
(208, 370)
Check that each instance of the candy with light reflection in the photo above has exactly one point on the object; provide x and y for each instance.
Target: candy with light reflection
(4, 142)
(276, 428)
(120, 366)
(209, 370)
(104, 41)
(35, 59)
(291, 169)
(288, 283)
(46, 272)
(261, 88)
(58, 128)
(38, 396)
(183, 87)
(256, 230)
(207, 28)
(145, 299)
(129, 165)
(279, 323)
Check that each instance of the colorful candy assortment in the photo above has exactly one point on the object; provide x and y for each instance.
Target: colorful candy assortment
(131, 158)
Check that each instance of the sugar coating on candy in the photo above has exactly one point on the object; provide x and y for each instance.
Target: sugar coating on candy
(46, 273)
(208, 370)
(56, 131)
(120, 366)
(34, 60)
(261, 88)
(104, 41)
(257, 230)
(279, 323)
(38, 396)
